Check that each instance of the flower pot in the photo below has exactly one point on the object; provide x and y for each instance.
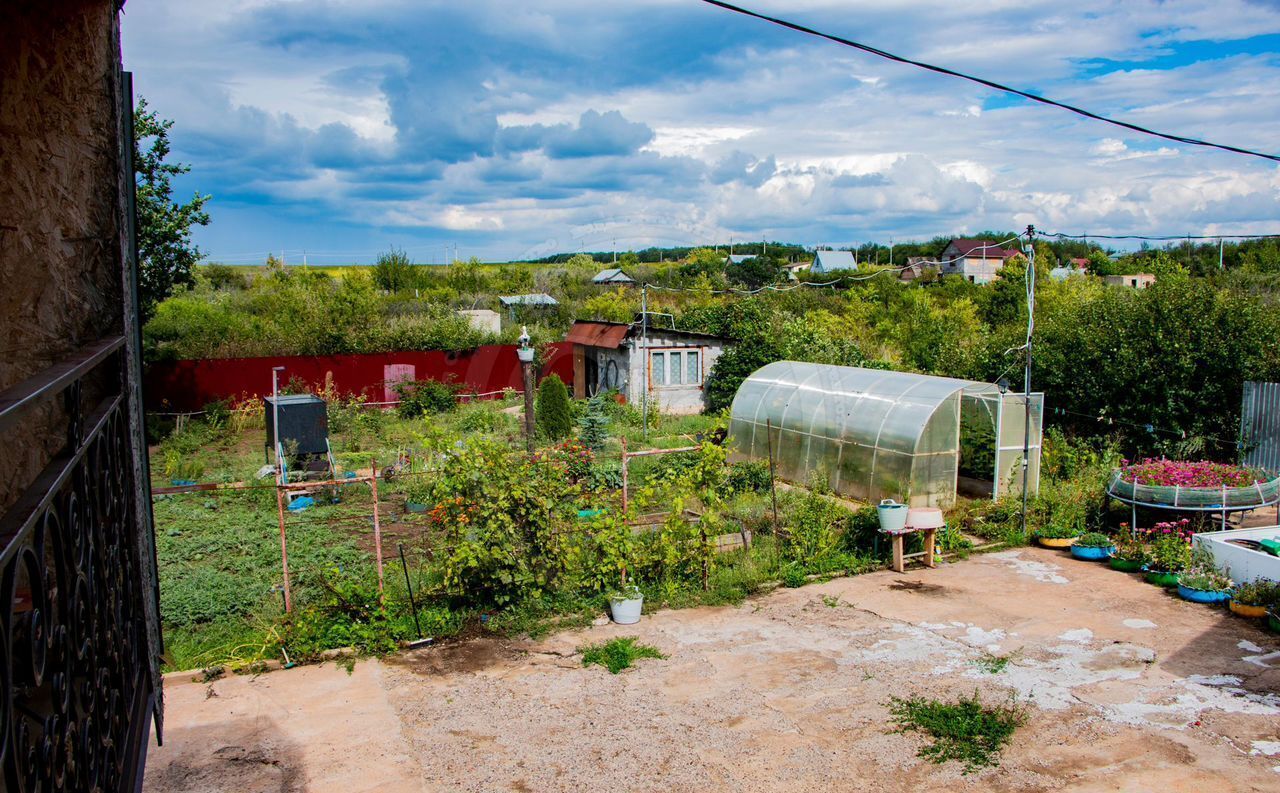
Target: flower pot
(414, 506)
(1092, 553)
(1160, 577)
(1126, 565)
(626, 611)
(1212, 597)
(1056, 542)
(1245, 610)
(893, 516)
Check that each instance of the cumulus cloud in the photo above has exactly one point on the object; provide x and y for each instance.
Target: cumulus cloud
(514, 128)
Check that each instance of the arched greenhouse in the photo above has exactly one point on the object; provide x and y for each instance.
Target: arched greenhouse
(874, 434)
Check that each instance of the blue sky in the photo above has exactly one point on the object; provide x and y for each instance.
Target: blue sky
(513, 130)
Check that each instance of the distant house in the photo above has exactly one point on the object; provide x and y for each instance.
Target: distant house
(917, 267)
(977, 261)
(795, 268)
(1080, 264)
(613, 275)
(483, 320)
(1134, 281)
(672, 364)
(830, 261)
(535, 301)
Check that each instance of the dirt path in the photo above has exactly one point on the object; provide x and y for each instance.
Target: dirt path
(1130, 689)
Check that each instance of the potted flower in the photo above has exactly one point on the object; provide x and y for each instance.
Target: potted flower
(1253, 598)
(1092, 546)
(1129, 554)
(626, 603)
(1204, 585)
(1057, 536)
(1170, 555)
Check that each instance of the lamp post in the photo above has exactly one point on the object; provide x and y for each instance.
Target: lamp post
(525, 353)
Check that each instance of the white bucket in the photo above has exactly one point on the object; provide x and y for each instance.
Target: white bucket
(893, 516)
(626, 611)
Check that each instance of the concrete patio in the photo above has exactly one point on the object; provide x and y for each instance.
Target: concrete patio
(1129, 688)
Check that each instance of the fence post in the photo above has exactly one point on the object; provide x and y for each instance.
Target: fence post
(284, 548)
(377, 526)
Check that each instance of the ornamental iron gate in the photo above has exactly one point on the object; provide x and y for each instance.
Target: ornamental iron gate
(79, 632)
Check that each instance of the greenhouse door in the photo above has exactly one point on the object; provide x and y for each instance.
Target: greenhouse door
(1010, 424)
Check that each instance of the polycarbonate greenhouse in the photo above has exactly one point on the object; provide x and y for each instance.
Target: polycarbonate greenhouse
(874, 434)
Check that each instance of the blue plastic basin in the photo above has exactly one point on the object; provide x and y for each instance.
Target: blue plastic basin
(1092, 554)
(1202, 596)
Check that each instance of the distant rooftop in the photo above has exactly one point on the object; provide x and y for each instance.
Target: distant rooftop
(613, 275)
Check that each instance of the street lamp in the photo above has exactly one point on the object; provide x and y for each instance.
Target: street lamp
(525, 353)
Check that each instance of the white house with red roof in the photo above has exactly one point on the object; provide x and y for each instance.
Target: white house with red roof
(977, 261)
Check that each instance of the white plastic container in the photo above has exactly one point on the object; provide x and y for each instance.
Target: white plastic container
(1242, 564)
(626, 611)
(893, 516)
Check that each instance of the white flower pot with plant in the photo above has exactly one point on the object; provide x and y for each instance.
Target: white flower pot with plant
(626, 604)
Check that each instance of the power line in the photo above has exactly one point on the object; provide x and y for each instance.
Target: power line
(988, 83)
(1165, 238)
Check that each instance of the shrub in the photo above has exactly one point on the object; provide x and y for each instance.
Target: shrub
(1052, 532)
(593, 424)
(1128, 547)
(813, 531)
(963, 730)
(551, 408)
(1260, 592)
(426, 397)
(1170, 554)
(618, 654)
(751, 476)
(1094, 539)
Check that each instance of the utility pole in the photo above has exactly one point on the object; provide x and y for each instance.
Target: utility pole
(891, 251)
(1219, 253)
(644, 356)
(1026, 377)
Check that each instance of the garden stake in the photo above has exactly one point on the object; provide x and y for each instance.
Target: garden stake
(412, 603)
(773, 483)
(377, 528)
(624, 477)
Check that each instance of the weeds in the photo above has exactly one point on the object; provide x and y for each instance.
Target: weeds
(618, 654)
(992, 664)
(964, 730)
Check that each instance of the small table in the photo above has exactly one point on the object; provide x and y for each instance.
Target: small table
(926, 520)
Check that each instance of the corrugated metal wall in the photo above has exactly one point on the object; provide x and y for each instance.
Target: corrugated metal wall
(1260, 425)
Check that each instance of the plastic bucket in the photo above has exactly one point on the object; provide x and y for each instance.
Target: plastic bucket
(626, 611)
(1091, 553)
(893, 516)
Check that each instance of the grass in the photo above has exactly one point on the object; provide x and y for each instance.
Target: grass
(992, 664)
(964, 730)
(618, 654)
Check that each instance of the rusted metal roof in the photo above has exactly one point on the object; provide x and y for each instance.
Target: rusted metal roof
(598, 334)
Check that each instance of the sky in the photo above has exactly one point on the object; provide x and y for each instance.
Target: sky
(511, 130)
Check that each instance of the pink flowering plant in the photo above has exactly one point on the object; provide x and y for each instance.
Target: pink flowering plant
(1200, 473)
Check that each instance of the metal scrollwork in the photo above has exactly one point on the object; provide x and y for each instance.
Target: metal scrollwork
(73, 669)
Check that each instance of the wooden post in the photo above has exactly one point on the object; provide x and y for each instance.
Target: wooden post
(377, 526)
(284, 547)
(928, 548)
(702, 533)
(530, 429)
(898, 564)
(773, 487)
(624, 478)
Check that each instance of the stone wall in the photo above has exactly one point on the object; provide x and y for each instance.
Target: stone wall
(59, 204)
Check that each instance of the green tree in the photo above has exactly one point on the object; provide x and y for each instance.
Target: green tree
(733, 366)
(166, 253)
(593, 426)
(703, 261)
(551, 409)
(393, 271)
(756, 272)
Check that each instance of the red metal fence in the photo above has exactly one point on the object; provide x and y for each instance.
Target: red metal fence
(192, 384)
